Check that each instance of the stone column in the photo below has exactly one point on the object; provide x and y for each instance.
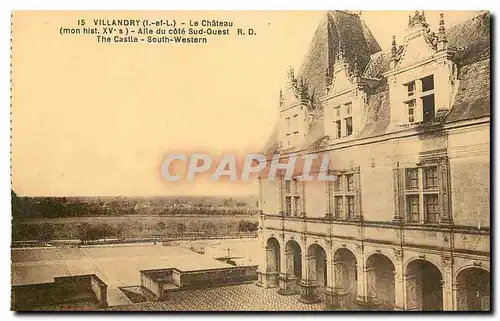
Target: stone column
(261, 271)
(447, 264)
(371, 282)
(361, 296)
(341, 293)
(447, 289)
(308, 283)
(330, 299)
(399, 288)
(287, 280)
(271, 272)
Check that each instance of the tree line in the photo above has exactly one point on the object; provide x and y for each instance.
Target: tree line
(23, 207)
(88, 233)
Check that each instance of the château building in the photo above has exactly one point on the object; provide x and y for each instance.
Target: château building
(406, 224)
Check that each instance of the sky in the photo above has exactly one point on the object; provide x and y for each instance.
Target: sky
(92, 119)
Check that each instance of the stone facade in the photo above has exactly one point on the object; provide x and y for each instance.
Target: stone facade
(405, 225)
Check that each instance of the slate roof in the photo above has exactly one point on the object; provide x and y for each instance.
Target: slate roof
(339, 29)
(471, 38)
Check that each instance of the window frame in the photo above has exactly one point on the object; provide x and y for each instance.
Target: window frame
(422, 193)
(348, 199)
(415, 113)
(292, 190)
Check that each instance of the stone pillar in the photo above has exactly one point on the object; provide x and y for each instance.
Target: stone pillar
(457, 296)
(270, 276)
(447, 289)
(261, 271)
(398, 288)
(361, 296)
(330, 299)
(413, 292)
(447, 264)
(287, 279)
(341, 293)
(371, 283)
(308, 283)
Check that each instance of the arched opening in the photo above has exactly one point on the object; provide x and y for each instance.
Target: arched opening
(317, 265)
(380, 279)
(473, 290)
(272, 255)
(294, 259)
(346, 277)
(424, 288)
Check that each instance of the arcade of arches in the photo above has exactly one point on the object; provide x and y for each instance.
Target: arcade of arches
(344, 281)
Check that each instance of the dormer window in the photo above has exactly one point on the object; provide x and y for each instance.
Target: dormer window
(427, 83)
(343, 120)
(411, 110)
(348, 126)
(348, 109)
(411, 88)
(420, 104)
(338, 124)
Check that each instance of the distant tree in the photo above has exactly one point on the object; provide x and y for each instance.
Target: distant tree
(180, 228)
(209, 227)
(84, 232)
(103, 231)
(121, 229)
(247, 226)
(45, 232)
(17, 205)
(160, 226)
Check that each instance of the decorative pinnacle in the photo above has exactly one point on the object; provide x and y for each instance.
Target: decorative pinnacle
(423, 15)
(393, 48)
(441, 24)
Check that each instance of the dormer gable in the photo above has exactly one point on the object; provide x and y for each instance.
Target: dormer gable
(422, 75)
(419, 43)
(345, 77)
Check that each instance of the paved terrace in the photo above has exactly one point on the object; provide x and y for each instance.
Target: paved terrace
(243, 297)
(115, 265)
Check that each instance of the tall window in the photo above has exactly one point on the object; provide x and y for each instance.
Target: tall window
(411, 110)
(348, 109)
(419, 101)
(338, 125)
(293, 203)
(348, 126)
(343, 196)
(343, 120)
(421, 189)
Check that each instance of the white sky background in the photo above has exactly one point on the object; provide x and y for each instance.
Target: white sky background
(233, 89)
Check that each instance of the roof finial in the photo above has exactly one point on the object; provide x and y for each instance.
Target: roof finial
(393, 48)
(423, 15)
(340, 54)
(409, 20)
(442, 42)
(441, 24)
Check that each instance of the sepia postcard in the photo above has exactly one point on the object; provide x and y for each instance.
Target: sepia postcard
(250, 160)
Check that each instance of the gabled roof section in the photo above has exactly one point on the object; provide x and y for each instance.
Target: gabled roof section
(472, 38)
(339, 29)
